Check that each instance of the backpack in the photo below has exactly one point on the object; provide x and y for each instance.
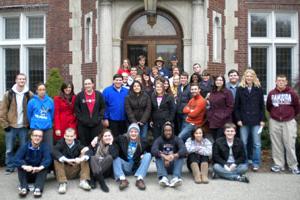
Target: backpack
(11, 94)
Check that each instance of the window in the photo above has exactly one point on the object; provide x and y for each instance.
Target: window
(273, 46)
(88, 39)
(217, 37)
(22, 48)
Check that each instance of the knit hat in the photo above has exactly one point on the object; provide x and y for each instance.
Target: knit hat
(135, 126)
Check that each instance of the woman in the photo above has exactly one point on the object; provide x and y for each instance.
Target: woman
(147, 83)
(167, 86)
(220, 107)
(154, 73)
(250, 114)
(199, 150)
(64, 116)
(125, 67)
(163, 108)
(40, 113)
(102, 152)
(195, 78)
(138, 107)
(206, 84)
(174, 85)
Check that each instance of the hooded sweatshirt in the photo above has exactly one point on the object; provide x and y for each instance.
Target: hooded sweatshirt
(19, 100)
(40, 112)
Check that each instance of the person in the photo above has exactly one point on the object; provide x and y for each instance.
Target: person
(175, 72)
(70, 161)
(154, 74)
(174, 62)
(132, 76)
(229, 156)
(147, 83)
(13, 118)
(125, 80)
(195, 78)
(233, 83)
(40, 113)
(169, 152)
(220, 107)
(125, 67)
(102, 151)
(163, 109)
(199, 151)
(142, 68)
(174, 86)
(89, 110)
(167, 86)
(283, 106)
(33, 160)
(133, 158)
(138, 108)
(64, 113)
(197, 68)
(162, 71)
(195, 111)
(115, 114)
(249, 112)
(206, 84)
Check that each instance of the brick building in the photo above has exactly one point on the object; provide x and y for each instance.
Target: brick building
(89, 38)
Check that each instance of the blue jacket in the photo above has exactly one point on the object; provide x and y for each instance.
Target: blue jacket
(40, 113)
(115, 103)
(27, 155)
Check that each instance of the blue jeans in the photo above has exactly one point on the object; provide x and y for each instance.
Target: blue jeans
(175, 168)
(10, 140)
(122, 167)
(144, 131)
(256, 140)
(230, 175)
(186, 131)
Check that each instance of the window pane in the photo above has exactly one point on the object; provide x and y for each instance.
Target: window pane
(134, 51)
(283, 26)
(12, 65)
(259, 65)
(12, 28)
(166, 51)
(35, 27)
(284, 62)
(258, 25)
(36, 66)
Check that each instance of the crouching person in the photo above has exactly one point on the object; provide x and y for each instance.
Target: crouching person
(199, 149)
(69, 161)
(132, 158)
(169, 151)
(32, 161)
(229, 156)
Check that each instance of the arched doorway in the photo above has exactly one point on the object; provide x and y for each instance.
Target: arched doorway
(163, 39)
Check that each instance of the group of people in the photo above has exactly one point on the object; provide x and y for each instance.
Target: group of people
(95, 135)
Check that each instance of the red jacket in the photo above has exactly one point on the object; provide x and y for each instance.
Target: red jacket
(64, 116)
(195, 110)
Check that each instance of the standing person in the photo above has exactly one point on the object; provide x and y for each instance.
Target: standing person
(40, 113)
(233, 83)
(154, 73)
(89, 110)
(147, 83)
(169, 151)
(167, 86)
(125, 80)
(220, 103)
(206, 84)
(174, 86)
(197, 68)
(13, 118)
(142, 68)
(125, 67)
(133, 159)
(133, 75)
(163, 71)
(175, 72)
(163, 109)
(283, 106)
(33, 160)
(229, 156)
(115, 114)
(138, 108)
(199, 150)
(64, 114)
(195, 78)
(250, 114)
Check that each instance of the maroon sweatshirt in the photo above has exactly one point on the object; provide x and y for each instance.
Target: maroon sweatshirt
(283, 105)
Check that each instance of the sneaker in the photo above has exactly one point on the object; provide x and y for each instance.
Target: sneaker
(255, 168)
(37, 193)
(140, 184)
(22, 192)
(295, 171)
(175, 182)
(277, 168)
(164, 182)
(9, 171)
(84, 185)
(62, 188)
(123, 184)
(243, 179)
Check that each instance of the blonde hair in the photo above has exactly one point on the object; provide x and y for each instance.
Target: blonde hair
(256, 82)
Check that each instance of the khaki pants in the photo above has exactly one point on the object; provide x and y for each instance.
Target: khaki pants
(283, 137)
(65, 171)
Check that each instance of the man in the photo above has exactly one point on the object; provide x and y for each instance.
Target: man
(232, 85)
(115, 114)
(195, 111)
(142, 68)
(229, 156)
(174, 62)
(197, 68)
(69, 161)
(283, 106)
(133, 74)
(13, 117)
(32, 161)
(89, 110)
(163, 71)
(169, 151)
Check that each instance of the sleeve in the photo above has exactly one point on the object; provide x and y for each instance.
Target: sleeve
(206, 149)
(296, 103)
(216, 154)
(262, 105)
(19, 157)
(56, 113)
(129, 110)
(56, 151)
(198, 109)
(189, 146)
(182, 152)
(113, 150)
(155, 148)
(172, 109)
(241, 157)
(147, 112)
(237, 105)
(229, 103)
(29, 110)
(3, 111)
(269, 102)
(106, 101)
(47, 159)
(78, 109)
(186, 109)
(102, 105)
(52, 110)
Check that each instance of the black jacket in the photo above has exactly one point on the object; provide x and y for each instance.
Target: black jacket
(112, 150)
(61, 149)
(183, 98)
(221, 151)
(165, 112)
(82, 112)
(249, 107)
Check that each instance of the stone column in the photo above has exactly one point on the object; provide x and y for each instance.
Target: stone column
(105, 43)
(198, 36)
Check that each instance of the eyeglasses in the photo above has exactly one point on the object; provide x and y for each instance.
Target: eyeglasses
(39, 136)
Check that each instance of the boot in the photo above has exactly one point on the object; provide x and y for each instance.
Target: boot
(204, 172)
(102, 183)
(196, 172)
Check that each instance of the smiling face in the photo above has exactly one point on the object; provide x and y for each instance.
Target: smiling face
(198, 134)
(229, 133)
(21, 80)
(197, 69)
(176, 80)
(68, 90)
(159, 88)
(183, 80)
(168, 132)
(195, 90)
(133, 134)
(125, 64)
(36, 137)
(88, 85)
(166, 85)
(107, 138)
(69, 136)
(219, 82)
(281, 83)
(137, 87)
(118, 82)
(233, 78)
(249, 77)
(142, 62)
(41, 91)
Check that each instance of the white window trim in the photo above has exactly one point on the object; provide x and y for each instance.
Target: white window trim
(88, 49)
(217, 48)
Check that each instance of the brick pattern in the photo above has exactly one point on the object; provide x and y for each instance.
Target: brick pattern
(21, 2)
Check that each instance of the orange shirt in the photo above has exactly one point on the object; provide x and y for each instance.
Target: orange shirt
(195, 110)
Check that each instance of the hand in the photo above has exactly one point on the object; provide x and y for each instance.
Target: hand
(105, 123)
(78, 160)
(240, 123)
(71, 162)
(27, 168)
(232, 167)
(140, 123)
(207, 96)
(166, 163)
(58, 133)
(84, 150)
(7, 129)
(262, 124)
(151, 124)
(37, 169)
(94, 141)
(227, 168)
